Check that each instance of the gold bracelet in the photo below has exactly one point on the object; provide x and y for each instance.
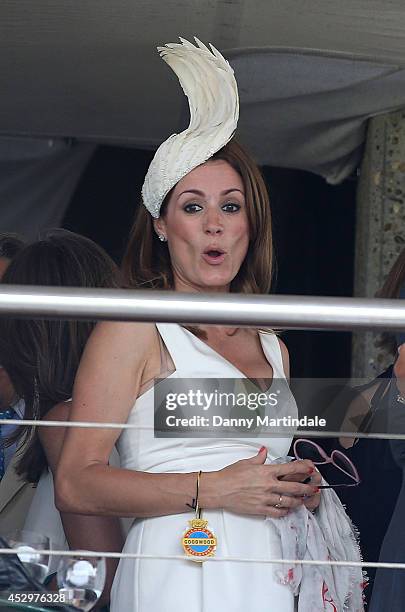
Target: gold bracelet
(194, 504)
(197, 506)
(198, 540)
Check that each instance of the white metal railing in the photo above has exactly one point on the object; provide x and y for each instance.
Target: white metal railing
(288, 312)
(215, 559)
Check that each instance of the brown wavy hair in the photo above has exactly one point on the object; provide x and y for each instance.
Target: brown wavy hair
(42, 356)
(147, 264)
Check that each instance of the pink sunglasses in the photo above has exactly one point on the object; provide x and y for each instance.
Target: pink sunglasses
(306, 449)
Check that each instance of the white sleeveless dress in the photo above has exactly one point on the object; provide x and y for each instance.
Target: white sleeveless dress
(157, 585)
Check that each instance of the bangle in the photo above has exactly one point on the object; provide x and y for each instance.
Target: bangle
(198, 510)
(194, 503)
(197, 507)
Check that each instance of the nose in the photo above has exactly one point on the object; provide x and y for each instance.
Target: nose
(212, 223)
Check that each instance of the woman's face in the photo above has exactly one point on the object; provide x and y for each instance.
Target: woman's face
(206, 227)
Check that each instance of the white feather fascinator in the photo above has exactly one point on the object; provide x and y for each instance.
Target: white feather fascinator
(209, 83)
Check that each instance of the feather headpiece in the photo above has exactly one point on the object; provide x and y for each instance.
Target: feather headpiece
(209, 83)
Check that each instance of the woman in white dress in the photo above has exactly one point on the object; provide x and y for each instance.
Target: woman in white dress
(210, 232)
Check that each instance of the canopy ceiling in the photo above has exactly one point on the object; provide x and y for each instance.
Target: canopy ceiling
(310, 72)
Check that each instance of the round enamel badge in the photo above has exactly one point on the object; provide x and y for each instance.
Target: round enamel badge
(198, 541)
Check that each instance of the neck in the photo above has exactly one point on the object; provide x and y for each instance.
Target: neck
(231, 331)
(184, 287)
(221, 330)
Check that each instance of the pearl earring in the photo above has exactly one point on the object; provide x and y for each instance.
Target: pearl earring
(162, 238)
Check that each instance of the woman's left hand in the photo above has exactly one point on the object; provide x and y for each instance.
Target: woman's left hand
(312, 502)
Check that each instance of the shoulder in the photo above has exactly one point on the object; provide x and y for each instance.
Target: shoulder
(119, 340)
(124, 331)
(116, 359)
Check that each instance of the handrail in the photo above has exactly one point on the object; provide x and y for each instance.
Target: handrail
(233, 309)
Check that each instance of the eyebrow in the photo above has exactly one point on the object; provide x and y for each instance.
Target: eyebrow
(201, 193)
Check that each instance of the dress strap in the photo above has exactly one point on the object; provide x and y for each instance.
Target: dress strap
(177, 344)
(272, 350)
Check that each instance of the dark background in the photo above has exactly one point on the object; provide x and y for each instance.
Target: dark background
(314, 226)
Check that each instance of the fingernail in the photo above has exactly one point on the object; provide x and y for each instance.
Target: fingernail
(262, 449)
(311, 470)
(317, 490)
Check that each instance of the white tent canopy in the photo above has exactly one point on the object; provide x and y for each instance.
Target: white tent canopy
(310, 72)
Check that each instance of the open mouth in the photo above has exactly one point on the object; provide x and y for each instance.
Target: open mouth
(213, 256)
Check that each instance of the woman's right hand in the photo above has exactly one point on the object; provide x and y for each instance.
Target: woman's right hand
(250, 486)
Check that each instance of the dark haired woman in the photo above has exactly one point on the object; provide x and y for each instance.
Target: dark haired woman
(41, 357)
(239, 482)
(207, 228)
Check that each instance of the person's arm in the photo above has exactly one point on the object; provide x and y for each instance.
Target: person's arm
(396, 421)
(106, 388)
(99, 533)
(357, 412)
(399, 371)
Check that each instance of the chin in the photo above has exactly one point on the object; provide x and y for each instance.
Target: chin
(215, 277)
(216, 282)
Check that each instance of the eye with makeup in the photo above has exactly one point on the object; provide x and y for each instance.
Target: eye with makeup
(188, 208)
(235, 205)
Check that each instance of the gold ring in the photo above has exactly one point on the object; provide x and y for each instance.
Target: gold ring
(279, 505)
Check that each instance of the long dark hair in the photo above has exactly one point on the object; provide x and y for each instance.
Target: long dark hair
(42, 356)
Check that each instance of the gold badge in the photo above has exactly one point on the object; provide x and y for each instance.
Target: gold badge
(198, 541)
